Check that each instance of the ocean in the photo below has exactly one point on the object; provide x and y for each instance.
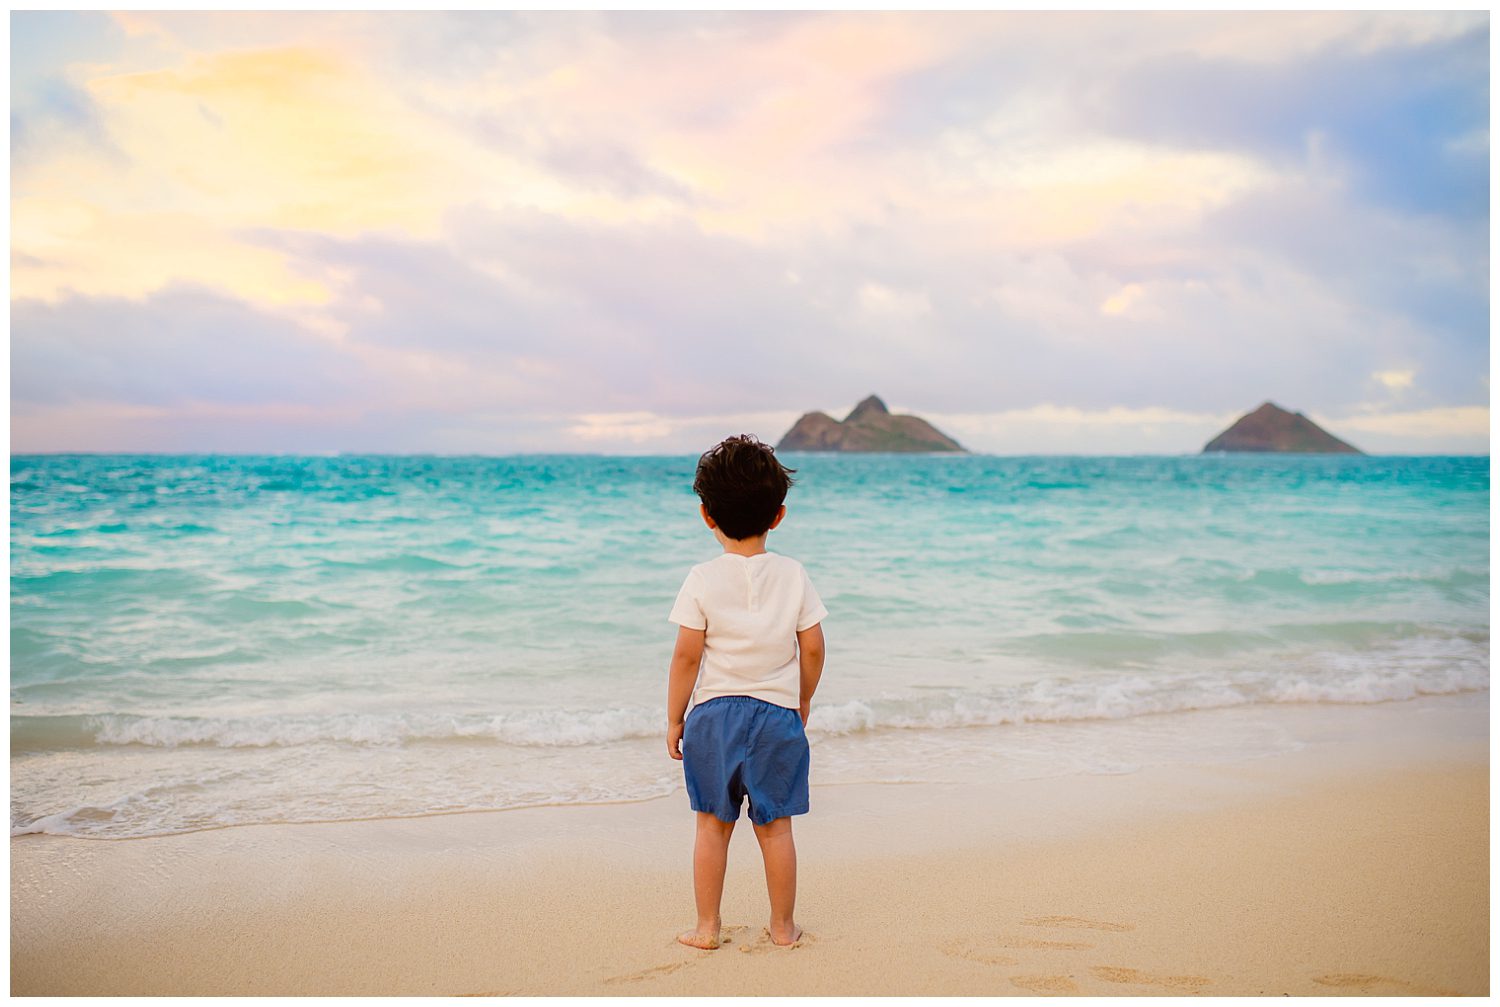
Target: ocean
(209, 641)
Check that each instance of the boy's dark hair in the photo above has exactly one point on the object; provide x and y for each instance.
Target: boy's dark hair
(742, 485)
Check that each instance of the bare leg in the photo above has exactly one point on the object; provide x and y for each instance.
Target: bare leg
(710, 856)
(780, 855)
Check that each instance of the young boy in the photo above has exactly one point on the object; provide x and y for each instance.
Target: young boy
(749, 655)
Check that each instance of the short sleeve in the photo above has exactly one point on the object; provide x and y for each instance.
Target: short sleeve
(812, 611)
(687, 610)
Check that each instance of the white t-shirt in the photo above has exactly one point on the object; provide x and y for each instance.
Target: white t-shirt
(751, 609)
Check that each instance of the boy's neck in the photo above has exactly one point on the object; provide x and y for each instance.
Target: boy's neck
(742, 546)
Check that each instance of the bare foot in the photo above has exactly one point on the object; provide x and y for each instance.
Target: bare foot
(703, 939)
(785, 937)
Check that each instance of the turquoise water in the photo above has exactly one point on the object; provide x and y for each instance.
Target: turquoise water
(211, 640)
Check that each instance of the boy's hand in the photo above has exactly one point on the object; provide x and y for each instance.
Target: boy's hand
(810, 660)
(686, 658)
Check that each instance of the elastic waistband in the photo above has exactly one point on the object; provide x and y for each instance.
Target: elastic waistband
(746, 699)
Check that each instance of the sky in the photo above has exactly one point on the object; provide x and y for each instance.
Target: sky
(624, 233)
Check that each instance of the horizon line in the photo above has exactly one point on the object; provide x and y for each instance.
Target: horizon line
(605, 454)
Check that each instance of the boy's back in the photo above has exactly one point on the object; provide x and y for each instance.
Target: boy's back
(751, 609)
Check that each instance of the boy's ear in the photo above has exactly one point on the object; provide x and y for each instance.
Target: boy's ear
(703, 509)
(777, 519)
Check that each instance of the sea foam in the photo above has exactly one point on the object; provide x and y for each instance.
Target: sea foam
(1404, 671)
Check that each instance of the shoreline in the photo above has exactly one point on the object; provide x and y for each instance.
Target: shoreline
(972, 753)
(1357, 863)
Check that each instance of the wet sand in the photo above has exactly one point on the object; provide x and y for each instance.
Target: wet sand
(1358, 864)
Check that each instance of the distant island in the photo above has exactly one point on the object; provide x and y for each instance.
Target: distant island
(870, 427)
(1272, 428)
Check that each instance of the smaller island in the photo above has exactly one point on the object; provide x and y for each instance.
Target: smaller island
(870, 427)
(1272, 428)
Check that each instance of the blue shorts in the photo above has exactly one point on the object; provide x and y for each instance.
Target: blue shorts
(735, 747)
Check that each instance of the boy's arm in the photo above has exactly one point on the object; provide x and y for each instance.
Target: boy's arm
(680, 680)
(810, 657)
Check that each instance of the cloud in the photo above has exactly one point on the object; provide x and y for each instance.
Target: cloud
(633, 427)
(1051, 429)
(1121, 301)
(1396, 118)
(64, 247)
(295, 137)
(181, 345)
(1395, 380)
(613, 167)
(1444, 430)
(885, 303)
(631, 432)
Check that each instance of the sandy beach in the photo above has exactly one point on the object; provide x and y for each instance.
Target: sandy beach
(1357, 864)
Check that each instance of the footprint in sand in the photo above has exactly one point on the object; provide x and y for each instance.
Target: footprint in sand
(652, 973)
(1373, 985)
(1344, 979)
(976, 950)
(763, 943)
(730, 935)
(1031, 943)
(1135, 977)
(1075, 922)
(987, 950)
(727, 936)
(1045, 984)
